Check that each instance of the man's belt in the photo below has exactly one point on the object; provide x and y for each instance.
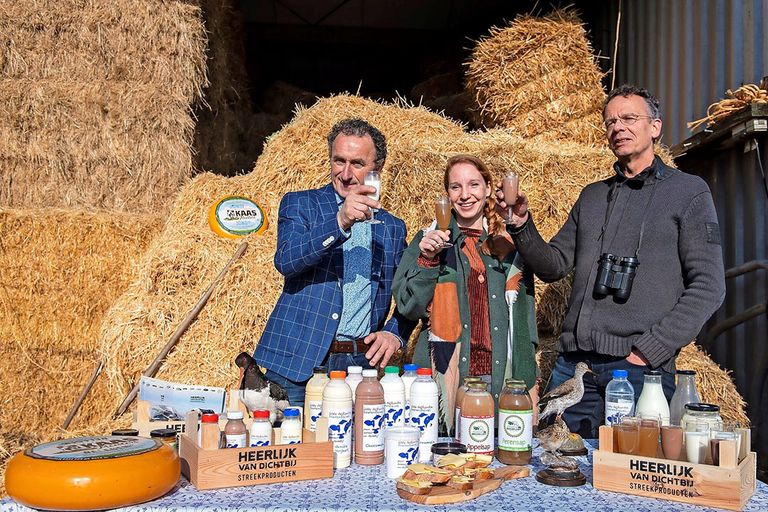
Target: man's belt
(348, 347)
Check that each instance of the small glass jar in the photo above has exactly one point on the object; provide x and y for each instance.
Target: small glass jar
(125, 432)
(701, 414)
(166, 436)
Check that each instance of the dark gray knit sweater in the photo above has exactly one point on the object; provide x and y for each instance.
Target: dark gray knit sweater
(679, 283)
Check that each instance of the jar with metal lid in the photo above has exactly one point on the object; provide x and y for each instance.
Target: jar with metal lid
(125, 432)
(166, 436)
(697, 414)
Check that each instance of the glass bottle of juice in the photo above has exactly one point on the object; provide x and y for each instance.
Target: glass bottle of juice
(515, 423)
(459, 397)
(477, 419)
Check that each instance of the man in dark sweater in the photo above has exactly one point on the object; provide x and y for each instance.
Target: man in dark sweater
(649, 211)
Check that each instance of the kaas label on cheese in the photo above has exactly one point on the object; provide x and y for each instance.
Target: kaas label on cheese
(235, 217)
(93, 448)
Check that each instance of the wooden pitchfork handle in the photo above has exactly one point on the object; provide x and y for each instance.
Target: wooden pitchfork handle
(191, 316)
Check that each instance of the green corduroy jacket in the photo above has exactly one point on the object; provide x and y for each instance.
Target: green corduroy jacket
(413, 289)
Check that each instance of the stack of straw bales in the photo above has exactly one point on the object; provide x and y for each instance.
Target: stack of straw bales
(96, 100)
(61, 270)
(538, 76)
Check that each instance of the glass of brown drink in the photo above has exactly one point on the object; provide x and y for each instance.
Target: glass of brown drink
(672, 441)
(443, 215)
(509, 186)
(649, 435)
(629, 435)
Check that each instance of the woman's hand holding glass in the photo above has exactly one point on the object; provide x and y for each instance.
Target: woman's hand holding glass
(433, 242)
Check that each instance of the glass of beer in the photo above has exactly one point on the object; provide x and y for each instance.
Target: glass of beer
(649, 435)
(373, 179)
(509, 186)
(443, 215)
(629, 435)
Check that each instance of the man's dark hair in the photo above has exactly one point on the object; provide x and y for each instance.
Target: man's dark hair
(627, 90)
(360, 128)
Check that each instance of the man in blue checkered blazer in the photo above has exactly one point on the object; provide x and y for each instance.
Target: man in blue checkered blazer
(338, 252)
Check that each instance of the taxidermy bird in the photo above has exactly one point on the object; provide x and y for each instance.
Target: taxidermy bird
(257, 392)
(566, 394)
(551, 439)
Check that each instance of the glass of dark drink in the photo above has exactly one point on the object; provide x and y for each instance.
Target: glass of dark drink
(443, 215)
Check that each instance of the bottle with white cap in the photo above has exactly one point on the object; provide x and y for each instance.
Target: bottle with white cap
(424, 408)
(354, 377)
(394, 396)
(409, 376)
(337, 407)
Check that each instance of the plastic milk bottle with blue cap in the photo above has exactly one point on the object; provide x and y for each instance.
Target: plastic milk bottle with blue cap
(409, 376)
(337, 407)
(394, 396)
(424, 407)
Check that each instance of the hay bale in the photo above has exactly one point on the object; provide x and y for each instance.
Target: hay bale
(143, 41)
(537, 75)
(61, 271)
(96, 102)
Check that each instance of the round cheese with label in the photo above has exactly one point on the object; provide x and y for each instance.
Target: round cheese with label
(92, 473)
(235, 217)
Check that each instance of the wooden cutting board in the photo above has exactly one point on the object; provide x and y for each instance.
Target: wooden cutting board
(442, 494)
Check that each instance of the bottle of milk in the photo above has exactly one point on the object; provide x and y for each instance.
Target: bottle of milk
(354, 377)
(424, 408)
(394, 396)
(409, 376)
(652, 401)
(313, 398)
(337, 407)
(619, 398)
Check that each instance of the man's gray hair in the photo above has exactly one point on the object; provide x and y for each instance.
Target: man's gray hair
(360, 128)
(627, 90)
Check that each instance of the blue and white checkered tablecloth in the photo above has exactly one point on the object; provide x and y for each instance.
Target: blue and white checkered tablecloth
(367, 488)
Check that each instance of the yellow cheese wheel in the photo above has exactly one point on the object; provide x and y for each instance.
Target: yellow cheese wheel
(236, 217)
(92, 473)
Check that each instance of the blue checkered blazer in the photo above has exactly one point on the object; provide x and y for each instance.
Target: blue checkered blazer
(309, 254)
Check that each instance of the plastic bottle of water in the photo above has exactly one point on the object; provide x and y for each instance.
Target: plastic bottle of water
(619, 398)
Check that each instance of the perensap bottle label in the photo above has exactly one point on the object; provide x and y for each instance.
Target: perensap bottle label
(515, 430)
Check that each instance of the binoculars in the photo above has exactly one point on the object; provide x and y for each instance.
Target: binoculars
(615, 276)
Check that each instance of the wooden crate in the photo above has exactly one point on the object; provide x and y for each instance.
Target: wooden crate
(235, 467)
(728, 486)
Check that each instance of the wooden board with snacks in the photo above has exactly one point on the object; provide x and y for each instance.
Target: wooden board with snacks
(457, 478)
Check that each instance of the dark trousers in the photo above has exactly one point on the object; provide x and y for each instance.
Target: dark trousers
(334, 361)
(585, 417)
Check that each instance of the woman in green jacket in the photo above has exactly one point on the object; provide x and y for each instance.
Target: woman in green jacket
(475, 299)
